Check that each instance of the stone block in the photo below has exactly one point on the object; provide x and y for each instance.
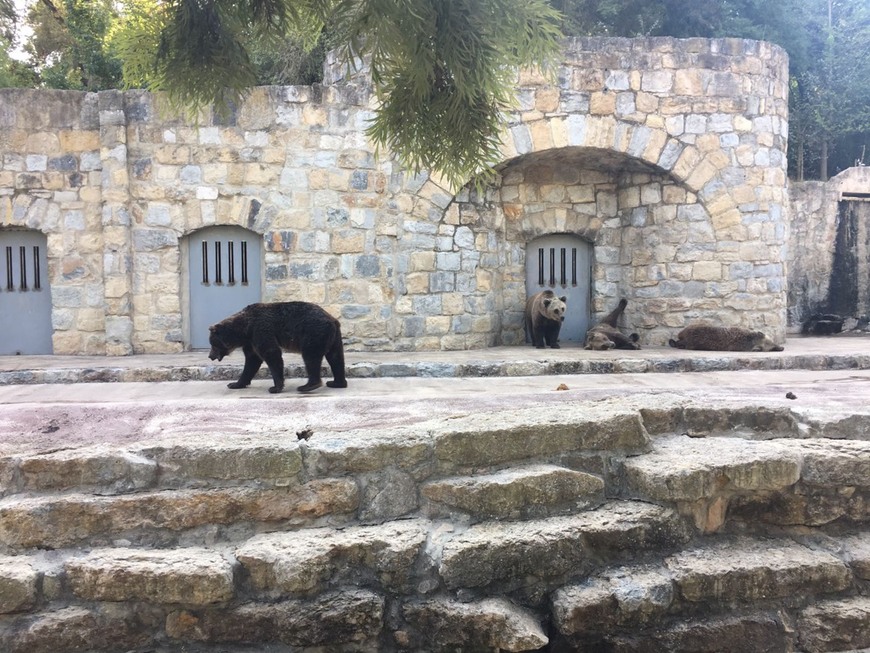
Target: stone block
(108, 471)
(18, 584)
(496, 551)
(73, 629)
(307, 561)
(192, 576)
(58, 522)
(332, 620)
(681, 468)
(839, 625)
(490, 624)
(755, 571)
(533, 490)
(633, 597)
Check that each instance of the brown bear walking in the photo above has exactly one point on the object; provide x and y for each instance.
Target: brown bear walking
(544, 316)
(712, 338)
(605, 335)
(264, 330)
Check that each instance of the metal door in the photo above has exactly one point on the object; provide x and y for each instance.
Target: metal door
(224, 270)
(563, 264)
(25, 297)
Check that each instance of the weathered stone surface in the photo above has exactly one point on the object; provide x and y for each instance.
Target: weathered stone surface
(18, 581)
(764, 422)
(106, 471)
(338, 618)
(806, 505)
(304, 561)
(519, 492)
(494, 551)
(72, 629)
(59, 522)
(857, 555)
(184, 465)
(191, 576)
(681, 468)
(369, 450)
(835, 625)
(752, 634)
(835, 463)
(486, 440)
(746, 570)
(483, 625)
(629, 596)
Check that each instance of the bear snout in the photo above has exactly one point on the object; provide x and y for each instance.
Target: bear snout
(213, 356)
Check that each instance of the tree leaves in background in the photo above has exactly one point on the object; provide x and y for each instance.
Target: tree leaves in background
(443, 70)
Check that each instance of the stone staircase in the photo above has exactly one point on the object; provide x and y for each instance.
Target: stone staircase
(597, 528)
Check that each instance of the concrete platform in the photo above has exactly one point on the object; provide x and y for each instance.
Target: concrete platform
(810, 353)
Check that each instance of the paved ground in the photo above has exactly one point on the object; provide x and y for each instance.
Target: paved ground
(39, 417)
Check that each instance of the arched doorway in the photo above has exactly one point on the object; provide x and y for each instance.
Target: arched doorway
(25, 297)
(563, 263)
(224, 270)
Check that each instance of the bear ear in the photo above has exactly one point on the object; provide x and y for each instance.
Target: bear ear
(212, 328)
(564, 299)
(547, 302)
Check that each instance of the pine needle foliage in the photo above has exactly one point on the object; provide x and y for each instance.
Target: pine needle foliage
(443, 70)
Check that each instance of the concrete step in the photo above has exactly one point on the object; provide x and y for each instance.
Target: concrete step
(169, 518)
(526, 492)
(508, 554)
(711, 598)
(109, 470)
(784, 481)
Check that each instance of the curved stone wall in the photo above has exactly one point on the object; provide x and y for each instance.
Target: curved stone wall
(667, 155)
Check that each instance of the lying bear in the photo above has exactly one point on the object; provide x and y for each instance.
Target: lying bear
(264, 330)
(713, 338)
(544, 316)
(605, 334)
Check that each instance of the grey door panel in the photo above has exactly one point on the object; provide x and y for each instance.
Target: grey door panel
(224, 270)
(563, 263)
(25, 296)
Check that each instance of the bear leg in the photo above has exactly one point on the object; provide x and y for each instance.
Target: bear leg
(252, 366)
(313, 360)
(551, 335)
(275, 361)
(335, 359)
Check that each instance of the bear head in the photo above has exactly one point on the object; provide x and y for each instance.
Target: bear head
(553, 308)
(598, 341)
(761, 342)
(216, 338)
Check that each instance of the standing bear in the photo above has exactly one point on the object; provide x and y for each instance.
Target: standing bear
(264, 330)
(605, 335)
(713, 338)
(544, 316)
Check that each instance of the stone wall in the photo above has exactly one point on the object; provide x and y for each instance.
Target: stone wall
(817, 210)
(667, 155)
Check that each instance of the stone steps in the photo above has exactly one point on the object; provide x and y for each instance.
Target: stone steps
(519, 531)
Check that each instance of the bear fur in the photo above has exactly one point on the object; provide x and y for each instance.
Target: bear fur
(713, 338)
(605, 335)
(544, 316)
(264, 330)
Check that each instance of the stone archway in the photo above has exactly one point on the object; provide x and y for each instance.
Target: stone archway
(692, 148)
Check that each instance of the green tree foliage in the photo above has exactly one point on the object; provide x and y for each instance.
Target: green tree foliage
(66, 47)
(442, 69)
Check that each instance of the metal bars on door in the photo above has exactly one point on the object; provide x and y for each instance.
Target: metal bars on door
(556, 258)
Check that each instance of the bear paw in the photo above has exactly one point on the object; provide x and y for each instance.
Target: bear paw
(275, 389)
(336, 384)
(309, 387)
(235, 385)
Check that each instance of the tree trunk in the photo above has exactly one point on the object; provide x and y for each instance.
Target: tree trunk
(823, 164)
